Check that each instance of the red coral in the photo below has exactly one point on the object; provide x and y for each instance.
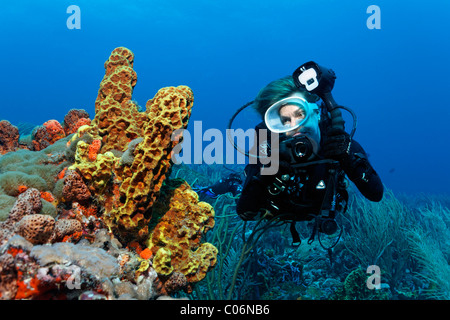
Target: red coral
(47, 135)
(94, 149)
(9, 137)
(27, 289)
(74, 119)
(54, 128)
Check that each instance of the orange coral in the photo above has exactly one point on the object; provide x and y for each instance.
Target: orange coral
(82, 122)
(22, 188)
(26, 289)
(14, 251)
(94, 149)
(55, 130)
(47, 196)
(46, 135)
(146, 254)
(62, 173)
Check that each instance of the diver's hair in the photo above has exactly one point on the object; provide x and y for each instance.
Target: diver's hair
(277, 90)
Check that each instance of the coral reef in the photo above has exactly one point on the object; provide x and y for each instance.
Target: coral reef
(81, 202)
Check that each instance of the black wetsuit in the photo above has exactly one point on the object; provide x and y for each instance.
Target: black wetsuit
(309, 187)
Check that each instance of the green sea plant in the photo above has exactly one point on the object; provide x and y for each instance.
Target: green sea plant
(375, 234)
(429, 243)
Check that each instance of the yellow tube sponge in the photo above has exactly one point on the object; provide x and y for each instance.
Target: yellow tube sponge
(180, 231)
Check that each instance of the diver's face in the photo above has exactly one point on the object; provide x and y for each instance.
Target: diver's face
(291, 115)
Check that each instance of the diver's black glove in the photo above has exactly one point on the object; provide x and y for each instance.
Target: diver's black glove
(336, 144)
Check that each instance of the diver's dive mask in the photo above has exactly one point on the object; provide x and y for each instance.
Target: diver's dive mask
(304, 143)
(275, 123)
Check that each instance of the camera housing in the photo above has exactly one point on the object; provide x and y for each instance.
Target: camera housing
(298, 149)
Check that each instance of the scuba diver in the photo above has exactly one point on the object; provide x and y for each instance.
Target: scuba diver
(315, 155)
(232, 183)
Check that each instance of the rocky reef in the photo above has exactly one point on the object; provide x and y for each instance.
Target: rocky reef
(87, 209)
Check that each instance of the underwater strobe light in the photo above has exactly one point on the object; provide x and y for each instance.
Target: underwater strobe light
(317, 80)
(320, 81)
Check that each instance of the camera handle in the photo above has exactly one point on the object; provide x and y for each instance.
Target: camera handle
(337, 121)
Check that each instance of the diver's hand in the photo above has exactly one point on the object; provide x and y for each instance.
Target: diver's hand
(336, 144)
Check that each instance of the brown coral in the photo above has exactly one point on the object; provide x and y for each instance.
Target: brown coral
(36, 228)
(9, 137)
(175, 283)
(74, 119)
(28, 202)
(74, 188)
(65, 227)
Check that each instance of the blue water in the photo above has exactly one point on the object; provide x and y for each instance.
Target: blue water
(395, 78)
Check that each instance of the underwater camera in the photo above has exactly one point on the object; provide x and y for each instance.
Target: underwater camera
(298, 149)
